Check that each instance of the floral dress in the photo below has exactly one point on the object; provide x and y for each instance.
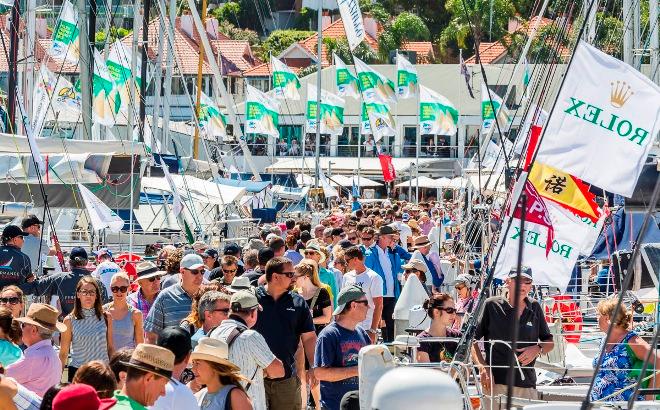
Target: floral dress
(617, 371)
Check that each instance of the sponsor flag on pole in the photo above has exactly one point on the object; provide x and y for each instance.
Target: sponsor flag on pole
(437, 115)
(332, 112)
(66, 35)
(100, 215)
(537, 213)
(375, 87)
(347, 83)
(489, 111)
(407, 84)
(261, 113)
(584, 230)
(365, 126)
(103, 107)
(606, 119)
(285, 81)
(466, 74)
(211, 121)
(177, 203)
(389, 173)
(565, 190)
(353, 24)
(381, 121)
(119, 66)
(328, 190)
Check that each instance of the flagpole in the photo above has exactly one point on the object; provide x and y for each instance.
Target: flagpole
(319, 65)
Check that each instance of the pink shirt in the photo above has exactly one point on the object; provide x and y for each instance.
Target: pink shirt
(39, 369)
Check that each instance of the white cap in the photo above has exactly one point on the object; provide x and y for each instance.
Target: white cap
(403, 386)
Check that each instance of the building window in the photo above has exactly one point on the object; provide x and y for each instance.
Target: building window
(409, 141)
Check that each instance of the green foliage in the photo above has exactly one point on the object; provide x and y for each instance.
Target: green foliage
(609, 34)
(100, 37)
(478, 12)
(280, 40)
(236, 33)
(375, 10)
(227, 12)
(405, 27)
(304, 19)
(341, 48)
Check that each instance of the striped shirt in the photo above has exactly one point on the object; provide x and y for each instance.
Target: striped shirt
(170, 307)
(26, 399)
(250, 352)
(89, 338)
(138, 301)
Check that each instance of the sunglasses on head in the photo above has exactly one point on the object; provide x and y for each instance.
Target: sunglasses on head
(119, 289)
(11, 300)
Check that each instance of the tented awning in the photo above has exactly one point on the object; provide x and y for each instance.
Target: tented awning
(200, 190)
(458, 182)
(348, 182)
(250, 186)
(443, 182)
(369, 167)
(422, 182)
(489, 183)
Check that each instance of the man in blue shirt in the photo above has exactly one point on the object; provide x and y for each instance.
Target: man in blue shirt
(338, 346)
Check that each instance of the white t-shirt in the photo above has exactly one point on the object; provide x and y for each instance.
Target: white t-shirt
(251, 353)
(177, 396)
(371, 283)
(386, 264)
(105, 271)
(404, 232)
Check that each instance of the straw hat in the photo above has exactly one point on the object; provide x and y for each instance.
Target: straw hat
(146, 270)
(315, 247)
(417, 265)
(44, 317)
(421, 241)
(240, 283)
(153, 359)
(213, 350)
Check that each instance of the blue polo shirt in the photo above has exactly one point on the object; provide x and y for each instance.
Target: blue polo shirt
(281, 323)
(170, 307)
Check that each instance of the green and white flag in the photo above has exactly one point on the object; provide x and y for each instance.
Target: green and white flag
(487, 113)
(526, 73)
(437, 115)
(285, 81)
(51, 93)
(375, 87)
(211, 120)
(103, 100)
(347, 83)
(365, 126)
(119, 66)
(332, 112)
(65, 35)
(407, 85)
(381, 120)
(261, 113)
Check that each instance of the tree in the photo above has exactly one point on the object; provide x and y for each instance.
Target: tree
(235, 33)
(405, 27)
(227, 12)
(101, 37)
(609, 34)
(375, 10)
(341, 48)
(458, 33)
(280, 40)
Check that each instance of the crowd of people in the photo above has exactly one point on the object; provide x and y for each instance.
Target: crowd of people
(274, 324)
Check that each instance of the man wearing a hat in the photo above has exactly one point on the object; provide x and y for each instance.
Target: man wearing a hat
(247, 348)
(63, 284)
(173, 303)
(422, 246)
(40, 367)
(105, 268)
(15, 266)
(534, 338)
(338, 345)
(148, 279)
(34, 247)
(388, 265)
(148, 372)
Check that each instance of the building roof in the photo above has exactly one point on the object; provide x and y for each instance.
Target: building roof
(265, 70)
(236, 55)
(490, 53)
(424, 50)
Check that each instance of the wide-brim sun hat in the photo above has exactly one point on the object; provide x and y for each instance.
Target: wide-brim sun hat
(213, 350)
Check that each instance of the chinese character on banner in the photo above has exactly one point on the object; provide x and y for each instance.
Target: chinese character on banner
(389, 174)
(537, 213)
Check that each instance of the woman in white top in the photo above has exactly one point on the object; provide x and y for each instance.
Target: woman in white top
(127, 328)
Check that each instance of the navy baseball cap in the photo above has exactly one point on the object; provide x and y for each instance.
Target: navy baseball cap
(12, 231)
(231, 249)
(78, 252)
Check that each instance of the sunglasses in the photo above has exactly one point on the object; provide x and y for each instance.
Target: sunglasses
(119, 289)
(310, 253)
(224, 310)
(288, 274)
(11, 300)
(195, 271)
(449, 310)
(153, 278)
(410, 270)
(367, 238)
(87, 293)
(352, 238)
(229, 270)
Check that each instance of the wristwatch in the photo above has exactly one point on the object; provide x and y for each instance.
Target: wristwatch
(541, 348)
(373, 331)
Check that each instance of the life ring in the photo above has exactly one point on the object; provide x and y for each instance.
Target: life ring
(127, 262)
(570, 314)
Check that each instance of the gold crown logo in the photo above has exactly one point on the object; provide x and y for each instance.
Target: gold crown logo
(620, 94)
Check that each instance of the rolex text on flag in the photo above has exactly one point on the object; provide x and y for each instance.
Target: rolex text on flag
(353, 24)
(604, 123)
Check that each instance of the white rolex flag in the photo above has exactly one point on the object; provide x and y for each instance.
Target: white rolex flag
(100, 215)
(604, 124)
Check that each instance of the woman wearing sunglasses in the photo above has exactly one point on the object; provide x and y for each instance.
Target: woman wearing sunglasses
(126, 320)
(442, 311)
(88, 332)
(11, 297)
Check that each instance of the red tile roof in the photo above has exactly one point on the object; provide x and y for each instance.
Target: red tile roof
(236, 55)
(336, 31)
(265, 70)
(424, 50)
(489, 53)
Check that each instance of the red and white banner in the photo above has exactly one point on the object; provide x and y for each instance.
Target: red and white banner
(389, 174)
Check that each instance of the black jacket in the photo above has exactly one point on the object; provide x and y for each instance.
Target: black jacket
(15, 267)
